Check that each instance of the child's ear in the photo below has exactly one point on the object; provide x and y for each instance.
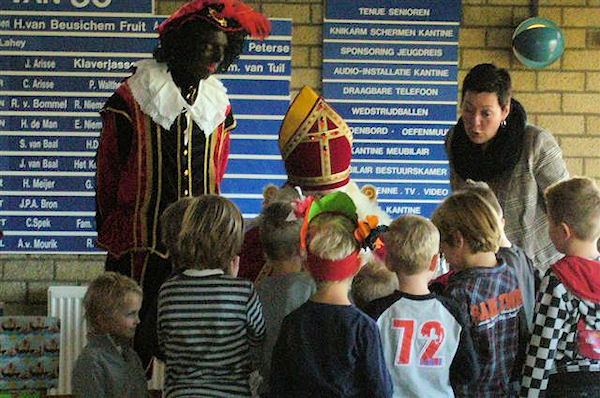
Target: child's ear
(234, 267)
(435, 260)
(566, 231)
(269, 194)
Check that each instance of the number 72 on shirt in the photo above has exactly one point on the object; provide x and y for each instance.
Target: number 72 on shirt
(430, 335)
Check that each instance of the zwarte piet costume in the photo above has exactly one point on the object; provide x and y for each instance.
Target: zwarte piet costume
(162, 140)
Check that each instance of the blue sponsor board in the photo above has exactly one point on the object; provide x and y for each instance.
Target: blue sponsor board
(409, 190)
(257, 124)
(82, 122)
(399, 150)
(265, 106)
(391, 51)
(130, 44)
(48, 182)
(59, 69)
(248, 146)
(51, 104)
(142, 6)
(390, 68)
(399, 208)
(394, 10)
(391, 91)
(42, 201)
(254, 171)
(390, 170)
(75, 241)
(414, 32)
(83, 24)
(38, 65)
(394, 131)
(415, 191)
(257, 67)
(49, 162)
(334, 70)
(45, 223)
(413, 113)
(124, 45)
(15, 142)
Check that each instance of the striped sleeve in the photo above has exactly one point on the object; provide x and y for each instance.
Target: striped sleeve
(256, 322)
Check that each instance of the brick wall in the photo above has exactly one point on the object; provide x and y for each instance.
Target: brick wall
(563, 98)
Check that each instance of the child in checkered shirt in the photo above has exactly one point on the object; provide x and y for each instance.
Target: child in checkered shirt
(487, 289)
(515, 257)
(563, 356)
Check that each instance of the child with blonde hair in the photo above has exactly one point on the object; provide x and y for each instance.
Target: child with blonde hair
(426, 338)
(327, 347)
(514, 256)
(108, 367)
(207, 318)
(563, 357)
(485, 288)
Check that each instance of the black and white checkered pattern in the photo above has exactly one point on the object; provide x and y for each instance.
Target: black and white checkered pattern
(552, 348)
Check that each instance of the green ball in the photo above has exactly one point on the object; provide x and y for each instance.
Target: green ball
(538, 42)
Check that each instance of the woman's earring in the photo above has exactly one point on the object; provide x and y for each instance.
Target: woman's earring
(503, 123)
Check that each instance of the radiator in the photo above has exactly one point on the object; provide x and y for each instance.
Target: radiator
(65, 303)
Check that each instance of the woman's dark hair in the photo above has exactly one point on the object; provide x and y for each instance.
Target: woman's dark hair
(487, 78)
(180, 44)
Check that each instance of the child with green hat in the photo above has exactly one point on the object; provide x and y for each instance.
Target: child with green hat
(327, 347)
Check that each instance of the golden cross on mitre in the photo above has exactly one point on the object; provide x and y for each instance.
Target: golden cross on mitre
(326, 126)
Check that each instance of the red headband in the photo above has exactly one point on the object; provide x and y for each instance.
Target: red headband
(227, 15)
(333, 270)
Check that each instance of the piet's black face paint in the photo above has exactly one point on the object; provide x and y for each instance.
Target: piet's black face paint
(195, 53)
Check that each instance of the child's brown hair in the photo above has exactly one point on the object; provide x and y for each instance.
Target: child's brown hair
(104, 297)
(483, 189)
(280, 235)
(211, 233)
(170, 222)
(576, 202)
(471, 215)
(411, 242)
(373, 281)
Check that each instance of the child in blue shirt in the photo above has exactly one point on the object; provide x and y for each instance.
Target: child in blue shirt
(327, 347)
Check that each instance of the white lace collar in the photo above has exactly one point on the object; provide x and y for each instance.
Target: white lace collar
(154, 90)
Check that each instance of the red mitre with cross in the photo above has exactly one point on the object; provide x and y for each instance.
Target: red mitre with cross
(315, 143)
